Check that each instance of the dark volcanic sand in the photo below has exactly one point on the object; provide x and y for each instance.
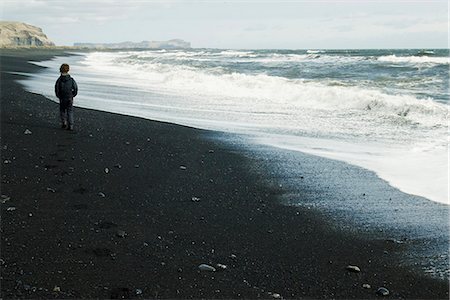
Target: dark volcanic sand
(63, 233)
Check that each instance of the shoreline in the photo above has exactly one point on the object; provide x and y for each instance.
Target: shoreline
(70, 240)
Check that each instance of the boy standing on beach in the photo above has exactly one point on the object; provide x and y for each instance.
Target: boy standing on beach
(66, 89)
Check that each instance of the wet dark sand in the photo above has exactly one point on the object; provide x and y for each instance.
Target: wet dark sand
(73, 192)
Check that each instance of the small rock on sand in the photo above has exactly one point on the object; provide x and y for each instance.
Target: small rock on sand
(221, 266)
(121, 233)
(27, 131)
(366, 286)
(183, 168)
(382, 291)
(106, 170)
(195, 199)
(354, 269)
(11, 208)
(207, 268)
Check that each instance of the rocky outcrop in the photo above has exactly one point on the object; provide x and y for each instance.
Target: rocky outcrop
(13, 34)
(171, 44)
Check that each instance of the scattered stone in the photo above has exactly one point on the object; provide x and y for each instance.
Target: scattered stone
(6, 161)
(4, 198)
(11, 208)
(354, 269)
(138, 292)
(30, 215)
(276, 296)
(221, 266)
(382, 291)
(51, 190)
(366, 286)
(57, 289)
(394, 241)
(101, 194)
(195, 199)
(106, 170)
(206, 268)
(183, 168)
(121, 233)
(27, 131)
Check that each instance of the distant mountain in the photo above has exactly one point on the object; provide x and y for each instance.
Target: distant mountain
(13, 34)
(171, 44)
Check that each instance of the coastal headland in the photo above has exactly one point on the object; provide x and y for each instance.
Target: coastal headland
(130, 208)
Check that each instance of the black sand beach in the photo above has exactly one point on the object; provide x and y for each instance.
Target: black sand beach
(129, 208)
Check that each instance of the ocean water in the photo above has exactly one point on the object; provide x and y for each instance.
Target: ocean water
(383, 110)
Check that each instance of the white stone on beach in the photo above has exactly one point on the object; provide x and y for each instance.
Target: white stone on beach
(195, 199)
(354, 269)
(27, 131)
(4, 198)
(106, 170)
(221, 266)
(11, 208)
(207, 268)
(366, 286)
(102, 195)
(183, 168)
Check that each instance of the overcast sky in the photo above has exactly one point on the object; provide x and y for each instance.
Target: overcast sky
(240, 24)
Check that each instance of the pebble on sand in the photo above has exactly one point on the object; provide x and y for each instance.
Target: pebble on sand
(121, 233)
(106, 170)
(354, 269)
(195, 199)
(382, 291)
(366, 286)
(207, 268)
(27, 131)
(4, 198)
(183, 168)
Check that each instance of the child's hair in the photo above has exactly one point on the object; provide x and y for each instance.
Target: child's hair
(64, 68)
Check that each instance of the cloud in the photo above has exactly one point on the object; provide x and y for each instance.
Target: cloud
(57, 11)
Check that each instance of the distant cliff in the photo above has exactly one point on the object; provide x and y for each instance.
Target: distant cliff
(13, 34)
(171, 44)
